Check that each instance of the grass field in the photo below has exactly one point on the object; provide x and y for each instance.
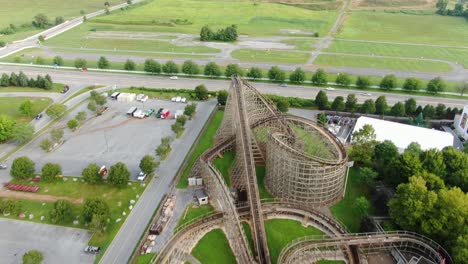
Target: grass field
(260, 171)
(10, 106)
(398, 27)
(273, 56)
(194, 212)
(381, 63)
(313, 145)
(259, 18)
(323, 261)
(345, 210)
(56, 88)
(145, 259)
(214, 248)
(301, 44)
(280, 232)
(248, 234)
(459, 55)
(206, 142)
(224, 164)
(147, 54)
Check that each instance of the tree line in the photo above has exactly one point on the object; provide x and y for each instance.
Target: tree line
(431, 187)
(458, 10)
(227, 34)
(21, 80)
(41, 21)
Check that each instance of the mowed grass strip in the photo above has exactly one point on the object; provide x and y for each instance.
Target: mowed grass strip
(280, 232)
(148, 54)
(274, 56)
(10, 106)
(214, 248)
(224, 165)
(301, 44)
(381, 63)
(457, 55)
(398, 27)
(206, 142)
(56, 88)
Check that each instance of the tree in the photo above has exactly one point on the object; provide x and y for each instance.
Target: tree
(164, 148)
(388, 82)
(362, 205)
(5, 80)
(433, 182)
(398, 109)
(72, 124)
(62, 212)
(6, 127)
(233, 69)
(41, 21)
(190, 110)
(119, 175)
(321, 118)
(59, 20)
(338, 104)
(363, 82)
(23, 132)
(56, 134)
(92, 106)
(98, 224)
(460, 249)
(191, 68)
(80, 63)
(14, 79)
(384, 154)
(103, 63)
(91, 174)
(222, 97)
(440, 111)
(351, 102)
(428, 111)
(212, 69)
(321, 100)
(26, 108)
(95, 207)
(81, 116)
(46, 144)
(148, 164)
(412, 84)
(170, 67)
(50, 171)
(33, 257)
(152, 66)
(129, 65)
(56, 110)
(433, 161)
(319, 77)
(410, 106)
(363, 140)
(436, 85)
(22, 168)
(255, 73)
(441, 5)
(407, 165)
(297, 76)
(98, 98)
(22, 79)
(58, 60)
(381, 105)
(206, 34)
(283, 105)
(367, 176)
(343, 79)
(201, 93)
(368, 107)
(461, 87)
(276, 74)
(456, 163)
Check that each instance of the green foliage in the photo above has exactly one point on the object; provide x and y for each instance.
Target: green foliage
(72, 124)
(190, 110)
(164, 148)
(81, 116)
(297, 76)
(5, 80)
(56, 110)
(319, 77)
(321, 118)
(46, 144)
(255, 73)
(367, 176)
(381, 105)
(41, 21)
(362, 205)
(363, 82)
(170, 67)
(119, 175)
(98, 98)
(22, 168)
(95, 207)
(129, 65)
(385, 153)
(50, 171)
(351, 103)
(222, 97)
(212, 69)
(201, 93)
(26, 108)
(410, 106)
(91, 174)
(398, 109)
(282, 105)
(148, 164)
(23, 132)
(103, 63)
(338, 104)
(433, 161)
(152, 66)
(56, 134)
(388, 82)
(59, 20)
(33, 257)
(92, 106)
(368, 107)
(456, 163)
(80, 63)
(276, 74)
(436, 85)
(321, 100)
(233, 69)
(191, 68)
(181, 120)
(228, 34)
(177, 128)
(362, 151)
(343, 79)
(412, 84)
(62, 212)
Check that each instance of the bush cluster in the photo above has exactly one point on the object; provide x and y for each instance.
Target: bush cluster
(227, 34)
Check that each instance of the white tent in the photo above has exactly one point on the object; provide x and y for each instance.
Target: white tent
(402, 135)
(126, 97)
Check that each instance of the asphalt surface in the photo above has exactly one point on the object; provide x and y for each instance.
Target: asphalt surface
(58, 244)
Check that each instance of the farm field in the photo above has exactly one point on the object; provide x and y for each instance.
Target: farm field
(399, 27)
(381, 63)
(10, 106)
(273, 56)
(459, 55)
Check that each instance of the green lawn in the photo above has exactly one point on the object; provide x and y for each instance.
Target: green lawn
(194, 212)
(381, 63)
(214, 248)
(459, 55)
(56, 88)
(323, 261)
(312, 144)
(260, 171)
(345, 210)
(224, 164)
(301, 44)
(398, 27)
(273, 56)
(206, 142)
(259, 18)
(10, 106)
(146, 54)
(248, 234)
(145, 259)
(280, 232)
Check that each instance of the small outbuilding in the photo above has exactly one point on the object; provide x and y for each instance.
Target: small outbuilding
(201, 196)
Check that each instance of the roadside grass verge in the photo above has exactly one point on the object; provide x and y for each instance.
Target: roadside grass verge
(56, 88)
(10, 106)
(301, 44)
(206, 142)
(224, 165)
(192, 212)
(274, 56)
(214, 248)
(148, 54)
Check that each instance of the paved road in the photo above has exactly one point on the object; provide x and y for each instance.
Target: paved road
(127, 80)
(58, 244)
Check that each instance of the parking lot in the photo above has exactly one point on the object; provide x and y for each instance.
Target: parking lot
(57, 244)
(110, 138)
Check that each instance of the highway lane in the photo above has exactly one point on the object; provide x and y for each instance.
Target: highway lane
(126, 80)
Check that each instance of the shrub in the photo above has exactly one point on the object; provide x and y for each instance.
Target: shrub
(177, 128)
(181, 120)
(22, 168)
(50, 171)
(190, 110)
(227, 34)
(148, 164)
(119, 175)
(62, 212)
(164, 148)
(129, 65)
(91, 174)
(103, 63)
(56, 134)
(33, 257)
(363, 82)
(201, 93)
(72, 124)
(46, 144)
(222, 97)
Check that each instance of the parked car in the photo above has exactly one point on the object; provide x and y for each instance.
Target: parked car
(149, 112)
(174, 78)
(39, 116)
(330, 89)
(367, 94)
(160, 110)
(3, 166)
(141, 176)
(65, 89)
(284, 85)
(183, 100)
(173, 99)
(92, 249)
(177, 99)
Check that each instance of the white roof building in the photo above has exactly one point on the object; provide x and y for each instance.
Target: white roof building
(402, 135)
(461, 123)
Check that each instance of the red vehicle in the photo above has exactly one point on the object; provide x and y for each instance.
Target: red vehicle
(165, 113)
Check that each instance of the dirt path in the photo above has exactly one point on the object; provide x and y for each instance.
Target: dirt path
(37, 197)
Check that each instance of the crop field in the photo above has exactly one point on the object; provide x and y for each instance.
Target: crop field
(457, 55)
(270, 56)
(381, 63)
(398, 27)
